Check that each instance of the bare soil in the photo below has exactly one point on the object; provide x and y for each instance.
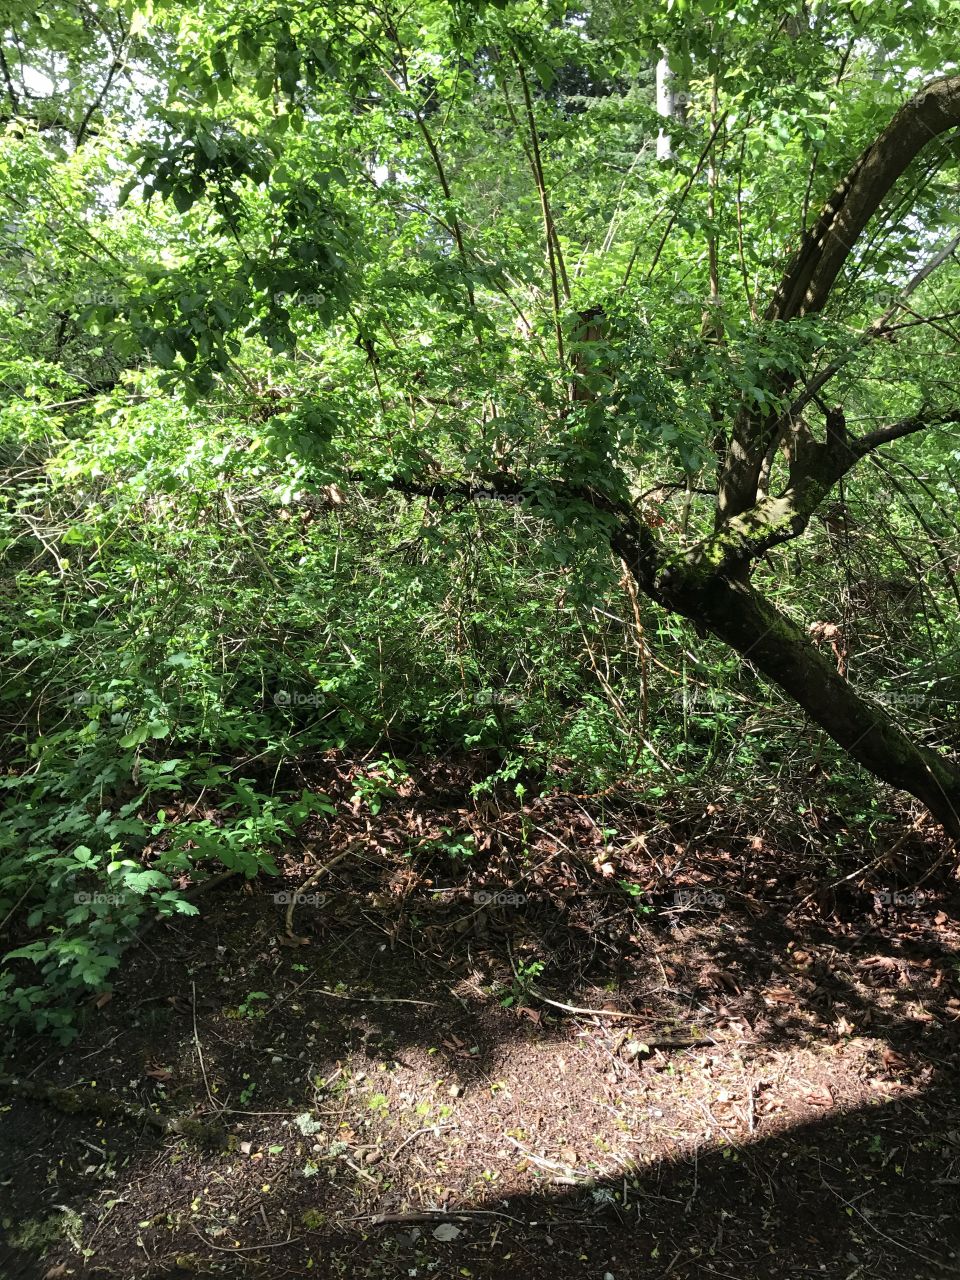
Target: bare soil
(755, 1074)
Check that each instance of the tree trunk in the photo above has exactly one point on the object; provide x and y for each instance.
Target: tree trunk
(737, 614)
(666, 107)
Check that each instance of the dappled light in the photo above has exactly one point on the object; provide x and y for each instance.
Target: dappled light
(479, 666)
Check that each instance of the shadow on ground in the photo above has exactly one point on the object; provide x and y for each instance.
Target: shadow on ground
(770, 1091)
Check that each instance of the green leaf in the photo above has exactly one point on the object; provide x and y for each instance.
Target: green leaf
(163, 353)
(183, 198)
(135, 737)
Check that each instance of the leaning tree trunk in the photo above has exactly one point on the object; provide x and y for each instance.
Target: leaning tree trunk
(736, 613)
(710, 584)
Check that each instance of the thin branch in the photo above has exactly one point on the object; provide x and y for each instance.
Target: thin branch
(676, 213)
(555, 265)
(95, 106)
(550, 225)
(751, 300)
(442, 175)
(14, 99)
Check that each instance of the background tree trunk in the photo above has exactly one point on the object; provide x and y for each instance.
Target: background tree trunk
(666, 107)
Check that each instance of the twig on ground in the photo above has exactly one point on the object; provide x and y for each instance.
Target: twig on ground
(346, 995)
(196, 1041)
(435, 1129)
(670, 1042)
(247, 1248)
(315, 878)
(431, 1215)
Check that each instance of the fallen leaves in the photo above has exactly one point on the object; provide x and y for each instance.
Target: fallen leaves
(721, 979)
(820, 1095)
(155, 1072)
(880, 970)
(634, 1049)
(894, 1061)
(779, 995)
(446, 1232)
(459, 1048)
(725, 1111)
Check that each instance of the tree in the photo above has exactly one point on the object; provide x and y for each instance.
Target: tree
(512, 298)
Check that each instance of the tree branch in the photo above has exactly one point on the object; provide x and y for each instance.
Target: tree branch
(99, 100)
(501, 486)
(897, 430)
(752, 439)
(8, 80)
(775, 520)
(809, 279)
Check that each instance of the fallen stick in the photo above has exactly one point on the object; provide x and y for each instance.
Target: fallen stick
(346, 995)
(671, 1042)
(81, 1098)
(430, 1215)
(311, 880)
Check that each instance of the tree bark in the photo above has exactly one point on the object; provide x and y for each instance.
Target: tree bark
(733, 611)
(710, 583)
(666, 107)
(808, 281)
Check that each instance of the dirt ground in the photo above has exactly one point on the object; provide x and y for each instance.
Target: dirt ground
(570, 1038)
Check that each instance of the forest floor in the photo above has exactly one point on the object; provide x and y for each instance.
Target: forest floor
(671, 1047)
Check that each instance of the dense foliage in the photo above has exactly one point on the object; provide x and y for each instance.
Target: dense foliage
(335, 338)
